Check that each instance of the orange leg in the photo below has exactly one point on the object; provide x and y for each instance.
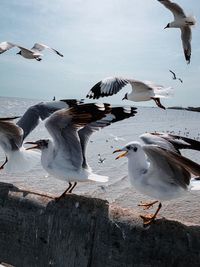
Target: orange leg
(149, 219)
(158, 103)
(147, 206)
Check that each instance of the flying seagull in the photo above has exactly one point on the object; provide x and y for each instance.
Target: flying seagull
(13, 134)
(174, 76)
(33, 53)
(64, 157)
(158, 172)
(184, 23)
(141, 91)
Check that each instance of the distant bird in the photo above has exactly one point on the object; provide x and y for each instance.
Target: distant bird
(117, 138)
(158, 172)
(101, 160)
(184, 23)
(13, 134)
(33, 53)
(141, 91)
(64, 157)
(174, 77)
(54, 98)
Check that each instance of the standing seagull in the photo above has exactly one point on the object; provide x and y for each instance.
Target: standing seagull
(12, 135)
(141, 91)
(64, 157)
(158, 172)
(174, 76)
(184, 23)
(33, 53)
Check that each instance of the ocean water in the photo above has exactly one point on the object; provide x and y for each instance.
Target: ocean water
(117, 190)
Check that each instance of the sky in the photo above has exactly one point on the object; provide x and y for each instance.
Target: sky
(98, 39)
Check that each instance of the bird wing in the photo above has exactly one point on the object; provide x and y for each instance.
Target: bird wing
(176, 169)
(173, 74)
(139, 86)
(186, 36)
(174, 8)
(106, 87)
(116, 114)
(10, 134)
(40, 47)
(42, 110)
(63, 126)
(179, 142)
(158, 139)
(5, 46)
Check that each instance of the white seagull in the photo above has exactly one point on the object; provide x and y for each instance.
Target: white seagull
(11, 141)
(33, 53)
(141, 91)
(159, 173)
(184, 23)
(64, 157)
(12, 135)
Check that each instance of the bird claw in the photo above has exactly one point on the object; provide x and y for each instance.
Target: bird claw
(147, 219)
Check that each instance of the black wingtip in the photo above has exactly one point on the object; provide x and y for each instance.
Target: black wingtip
(10, 118)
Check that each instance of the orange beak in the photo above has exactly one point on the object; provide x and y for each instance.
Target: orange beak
(121, 155)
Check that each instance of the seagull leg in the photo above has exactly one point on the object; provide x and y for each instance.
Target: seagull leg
(63, 194)
(147, 206)
(70, 191)
(2, 166)
(158, 103)
(149, 218)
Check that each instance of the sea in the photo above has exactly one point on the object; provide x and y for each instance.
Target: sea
(117, 191)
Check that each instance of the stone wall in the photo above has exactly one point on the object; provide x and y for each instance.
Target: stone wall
(80, 231)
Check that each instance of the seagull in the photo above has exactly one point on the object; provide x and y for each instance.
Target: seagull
(175, 78)
(33, 53)
(64, 157)
(13, 134)
(141, 91)
(184, 23)
(101, 160)
(158, 172)
(11, 141)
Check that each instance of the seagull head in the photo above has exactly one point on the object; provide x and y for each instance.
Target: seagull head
(40, 144)
(125, 97)
(131, 149)
(19, 53)
(168, 26)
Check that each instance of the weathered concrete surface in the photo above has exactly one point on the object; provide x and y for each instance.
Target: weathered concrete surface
(82, 232)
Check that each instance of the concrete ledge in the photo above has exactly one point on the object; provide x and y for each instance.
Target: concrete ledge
(82, 232)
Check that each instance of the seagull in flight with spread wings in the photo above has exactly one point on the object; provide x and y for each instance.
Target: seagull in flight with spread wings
(33, 53)
(141, 91)
(182, 22)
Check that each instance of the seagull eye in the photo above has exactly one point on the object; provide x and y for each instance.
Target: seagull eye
(128, 147)
(135, 149)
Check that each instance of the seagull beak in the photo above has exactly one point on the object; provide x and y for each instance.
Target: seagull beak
(121, 155)
(35, 145)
